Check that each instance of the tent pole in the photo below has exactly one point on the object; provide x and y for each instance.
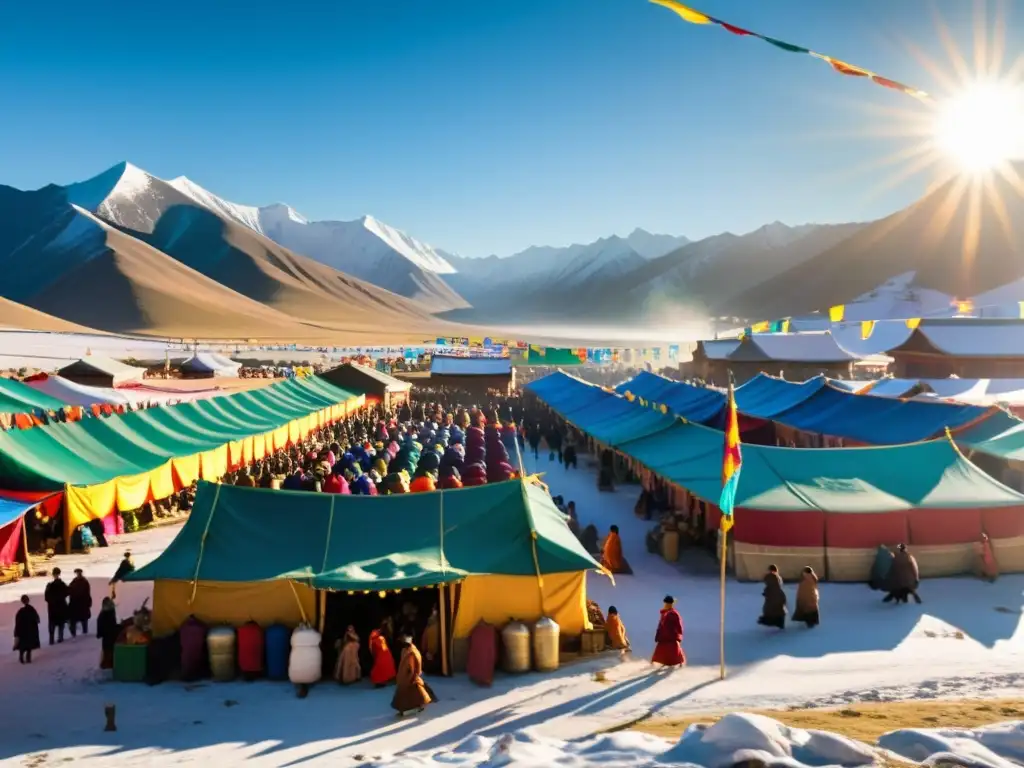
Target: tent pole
(721, 621)
(322, 596)
(443, 609)
(24, 546)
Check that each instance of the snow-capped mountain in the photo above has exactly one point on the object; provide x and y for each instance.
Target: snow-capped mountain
(127, 251)
(365, 248)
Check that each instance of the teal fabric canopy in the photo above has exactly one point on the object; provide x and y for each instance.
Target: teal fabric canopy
(341, 542)
(18, 397)
(930, 474)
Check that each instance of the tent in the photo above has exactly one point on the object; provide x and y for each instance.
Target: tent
(18, 397)
(203, 365)
(71, 393)
(99, 371)
(817, 407)
(13, 508)
(825, 507)
(364, 380)
(495, 540)
(121, 462)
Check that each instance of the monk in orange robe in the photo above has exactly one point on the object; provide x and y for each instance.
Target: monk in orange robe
(611, 554)
(383, 670)
(616, 630)
(412, 694)
(989, 566)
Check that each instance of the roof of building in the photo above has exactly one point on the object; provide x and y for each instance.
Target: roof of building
(444, 365)
(104, 365)
(390, 382)
(971, 337)
(717, 349)
(791, 348)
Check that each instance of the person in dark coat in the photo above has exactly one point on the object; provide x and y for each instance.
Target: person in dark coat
(26, 631)
(107, 631)
(555, 442)
(904, 577)
(589, 539)
(533, 437)
(56, 597)
(125, 567)
(79, 603)
(569, 456)
(773, 613)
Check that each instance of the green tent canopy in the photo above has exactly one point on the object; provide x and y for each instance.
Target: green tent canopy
(96, 450)
(18, 397)
(925, 475)
(342, 542)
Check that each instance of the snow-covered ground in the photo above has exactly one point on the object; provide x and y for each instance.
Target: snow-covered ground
(965, 640)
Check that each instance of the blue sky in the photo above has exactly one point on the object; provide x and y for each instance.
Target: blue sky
(479, 127)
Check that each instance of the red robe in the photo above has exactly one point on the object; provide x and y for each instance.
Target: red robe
(383, 670)
(669, 638)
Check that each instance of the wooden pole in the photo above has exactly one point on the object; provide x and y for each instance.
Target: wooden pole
(24, 546)
(721, 621)
(322, 594)
(442, 610)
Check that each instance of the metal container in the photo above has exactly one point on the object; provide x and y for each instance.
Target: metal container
(545, 645)
(515, 646)
(220, 641)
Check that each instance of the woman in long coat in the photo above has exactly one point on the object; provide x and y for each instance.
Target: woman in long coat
(347, 669)
(773, 612)
(26, 631)
(904, 577)
(807, 598)
(411, 694)
(668, 638)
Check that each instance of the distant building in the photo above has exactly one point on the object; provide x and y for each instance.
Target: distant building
(969, 348)
(98, 371)
(793, 356)
(363, 380)
(478, 375)
(204, 365)
(707, 357)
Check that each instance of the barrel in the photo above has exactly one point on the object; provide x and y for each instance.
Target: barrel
(670, 545)
(515, 646)
(221, 642)
(306, 659)
(250, 649)
(193, 650)
(545, 645)
(277, 643)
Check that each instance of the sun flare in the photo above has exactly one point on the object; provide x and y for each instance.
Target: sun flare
(982, 126)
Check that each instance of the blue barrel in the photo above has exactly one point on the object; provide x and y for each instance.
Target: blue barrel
(277, 641)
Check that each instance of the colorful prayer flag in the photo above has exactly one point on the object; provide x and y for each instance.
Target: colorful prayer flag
(732, 462)
(913, 322)
(866, 329)
(694, 16)
(837, 313)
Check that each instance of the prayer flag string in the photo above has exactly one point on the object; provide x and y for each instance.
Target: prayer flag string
(694, 16)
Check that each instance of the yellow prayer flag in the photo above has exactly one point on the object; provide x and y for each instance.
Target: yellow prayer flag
(837, 313)
(785, 325)
(965, 306)
(866, 328)
(687, 14)
(1020, 309)
(761, 327)
(913, 322)
(726, 524)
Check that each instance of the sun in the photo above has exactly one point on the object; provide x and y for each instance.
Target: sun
(982, 126)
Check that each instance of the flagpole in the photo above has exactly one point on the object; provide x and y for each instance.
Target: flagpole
(723, 554)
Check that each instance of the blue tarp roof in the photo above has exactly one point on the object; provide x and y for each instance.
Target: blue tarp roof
(470, 366)
(13, 509)
(819, 407)
(930, 474)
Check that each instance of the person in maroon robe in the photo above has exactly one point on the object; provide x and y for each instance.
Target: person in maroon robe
(669, 637)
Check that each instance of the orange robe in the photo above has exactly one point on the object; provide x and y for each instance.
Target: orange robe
(989, 566)
(383, 670)
(616, 633)
(411, 692)
(611, 555)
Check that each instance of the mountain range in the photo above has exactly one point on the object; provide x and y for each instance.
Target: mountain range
(128, 252)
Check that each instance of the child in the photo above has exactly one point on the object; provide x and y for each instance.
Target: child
(616, 631)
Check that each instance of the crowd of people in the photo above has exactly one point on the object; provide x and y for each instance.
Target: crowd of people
(69, 606)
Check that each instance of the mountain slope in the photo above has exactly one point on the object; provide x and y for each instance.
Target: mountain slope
(367, 249)
(125, 251)
(651, 246)
(926, 239)
(18, 316)
(244, 260)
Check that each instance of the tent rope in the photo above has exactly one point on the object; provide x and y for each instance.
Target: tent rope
(302, 611)
(202, 544)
